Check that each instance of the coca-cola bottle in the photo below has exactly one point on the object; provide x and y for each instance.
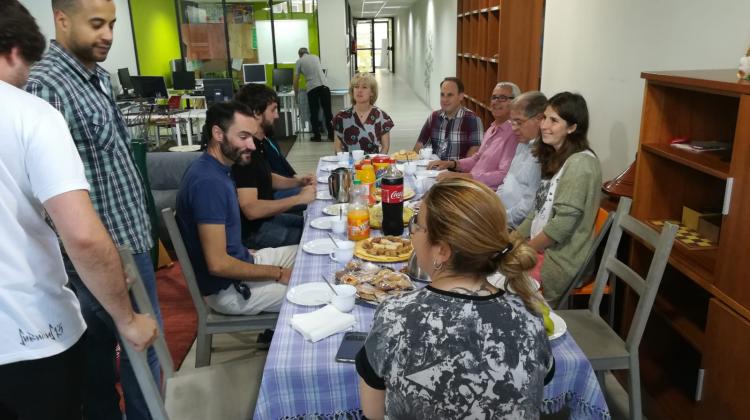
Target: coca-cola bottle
(392, 193)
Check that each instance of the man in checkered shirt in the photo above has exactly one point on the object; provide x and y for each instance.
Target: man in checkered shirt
(69, 78)
(454, 132)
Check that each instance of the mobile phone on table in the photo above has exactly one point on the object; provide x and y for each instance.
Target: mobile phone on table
(350, 346)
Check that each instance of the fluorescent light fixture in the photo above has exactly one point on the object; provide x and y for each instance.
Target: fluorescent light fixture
(394, 7)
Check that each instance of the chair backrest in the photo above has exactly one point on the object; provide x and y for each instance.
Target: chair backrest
(611, 265)
(187, 267)
(602, 225)
(152, 393)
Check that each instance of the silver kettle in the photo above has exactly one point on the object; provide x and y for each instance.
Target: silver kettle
(339, 182)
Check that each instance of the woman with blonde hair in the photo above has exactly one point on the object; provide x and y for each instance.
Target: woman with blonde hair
(363, 126)
(459, 347)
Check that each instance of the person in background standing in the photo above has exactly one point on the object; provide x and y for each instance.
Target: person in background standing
(318, 94)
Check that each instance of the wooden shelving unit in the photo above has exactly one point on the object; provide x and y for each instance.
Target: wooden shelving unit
(691, 362)
(498, 40)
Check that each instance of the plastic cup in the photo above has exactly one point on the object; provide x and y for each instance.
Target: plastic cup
(344, 300)
(343, 158)
(425, 152)
(410, 167)
(358, 155)
(338, 225)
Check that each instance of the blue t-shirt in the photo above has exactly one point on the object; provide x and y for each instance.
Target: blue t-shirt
(207, 196)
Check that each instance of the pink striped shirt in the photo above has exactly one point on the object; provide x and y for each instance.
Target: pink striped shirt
(490, 164)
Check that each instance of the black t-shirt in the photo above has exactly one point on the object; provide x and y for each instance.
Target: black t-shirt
(276, 160)
(256, 174)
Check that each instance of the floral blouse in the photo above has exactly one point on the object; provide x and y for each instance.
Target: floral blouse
(356, 135)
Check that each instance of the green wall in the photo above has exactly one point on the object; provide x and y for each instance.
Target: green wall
(156, 36)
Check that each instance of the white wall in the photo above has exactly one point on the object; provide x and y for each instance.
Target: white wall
(599, 48)
(426, 31)
(332, 30)
(122, 53)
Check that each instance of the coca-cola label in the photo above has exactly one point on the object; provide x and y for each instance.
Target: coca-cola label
(392, 194)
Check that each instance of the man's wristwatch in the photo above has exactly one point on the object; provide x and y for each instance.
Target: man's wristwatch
(455, 165)
(278, 278)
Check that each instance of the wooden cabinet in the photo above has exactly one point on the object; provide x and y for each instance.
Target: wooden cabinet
(703, 305)
(498, 40)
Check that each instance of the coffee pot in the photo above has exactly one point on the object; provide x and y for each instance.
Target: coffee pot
(339, 182)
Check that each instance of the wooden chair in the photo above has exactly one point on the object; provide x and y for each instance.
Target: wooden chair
(601, 344)
(209, 321)
(578, 286)
(161, 399)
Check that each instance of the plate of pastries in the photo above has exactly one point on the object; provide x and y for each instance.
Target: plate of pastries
(374, 283)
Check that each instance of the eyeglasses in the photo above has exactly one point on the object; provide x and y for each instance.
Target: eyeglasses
(414, 226)
(501, 98)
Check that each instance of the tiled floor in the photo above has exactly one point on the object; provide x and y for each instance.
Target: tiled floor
(237, 364)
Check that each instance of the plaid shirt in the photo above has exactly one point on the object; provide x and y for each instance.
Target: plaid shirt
(85, 99)
(451, 138)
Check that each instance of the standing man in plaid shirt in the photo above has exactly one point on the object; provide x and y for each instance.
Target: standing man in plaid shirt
(454, 132)
(69, 78)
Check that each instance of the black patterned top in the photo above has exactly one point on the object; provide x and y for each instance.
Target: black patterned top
(444, 355)
(356, 135)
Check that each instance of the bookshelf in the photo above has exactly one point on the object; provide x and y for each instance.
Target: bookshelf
(690, 359)
(498, 40)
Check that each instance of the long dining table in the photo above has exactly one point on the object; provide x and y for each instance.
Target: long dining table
(302, 380)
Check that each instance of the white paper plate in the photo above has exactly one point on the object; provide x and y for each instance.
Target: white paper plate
(323, 195)
(330, 167)
(322, 246)
(323, 179)
(310, 294)
(333, 209)
(323, 222)
(332, 158)
(185, 148)
(498, 280)
(560, 326)
(423, 162)
(427, 173)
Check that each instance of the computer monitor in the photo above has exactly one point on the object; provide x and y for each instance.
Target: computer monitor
(218, 90)
(125, 82)
(183, 80)
(149, 86)
(254, 73)
(283, 78)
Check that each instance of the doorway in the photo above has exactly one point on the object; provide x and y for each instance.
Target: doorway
(374, 45)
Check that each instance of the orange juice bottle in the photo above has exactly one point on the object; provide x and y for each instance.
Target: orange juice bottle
(368, 179)
(358, 216)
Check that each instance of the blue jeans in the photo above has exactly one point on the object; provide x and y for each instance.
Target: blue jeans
(100, 398)
(281, 230)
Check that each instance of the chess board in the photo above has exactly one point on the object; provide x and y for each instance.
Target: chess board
(686, 237)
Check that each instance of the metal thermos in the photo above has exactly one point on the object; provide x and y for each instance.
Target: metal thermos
(339, 182)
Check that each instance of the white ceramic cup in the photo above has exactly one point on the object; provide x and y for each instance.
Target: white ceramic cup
(358, 155)
(425, 152)
(344, 253)
(344, 300)
(338, 225)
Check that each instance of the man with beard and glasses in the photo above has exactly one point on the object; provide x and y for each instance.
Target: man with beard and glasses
(69, 78)
(268, 222)
(233, 280)
(42, 351)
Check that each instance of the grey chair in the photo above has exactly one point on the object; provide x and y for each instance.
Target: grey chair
(193, 388)
(578, 278)
(209, 321)
(602, 345)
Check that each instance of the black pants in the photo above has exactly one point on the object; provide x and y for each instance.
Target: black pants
(317, 98)
(44, 389)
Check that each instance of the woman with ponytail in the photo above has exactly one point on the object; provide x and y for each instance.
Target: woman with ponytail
(459, 347)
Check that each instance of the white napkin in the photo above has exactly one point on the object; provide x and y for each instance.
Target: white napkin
(322, 323)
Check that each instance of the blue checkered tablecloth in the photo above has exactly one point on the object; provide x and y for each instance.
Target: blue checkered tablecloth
(301, 380)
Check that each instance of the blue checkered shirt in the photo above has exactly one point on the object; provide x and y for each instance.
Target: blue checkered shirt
(85, 99)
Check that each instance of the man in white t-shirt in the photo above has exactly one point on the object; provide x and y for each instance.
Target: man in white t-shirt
(41, 357)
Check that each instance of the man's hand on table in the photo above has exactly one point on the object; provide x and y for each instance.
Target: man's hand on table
(307, 194)
(286, 273)
(440, 165)
(307, 179)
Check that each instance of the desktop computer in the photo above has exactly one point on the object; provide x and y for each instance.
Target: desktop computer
(254, 73)
(183, 80)
(149, 86)
(218, 90)
(283, 79)
(125, 82)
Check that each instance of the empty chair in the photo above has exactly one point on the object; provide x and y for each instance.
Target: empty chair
(601, 344)
(209, 321)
